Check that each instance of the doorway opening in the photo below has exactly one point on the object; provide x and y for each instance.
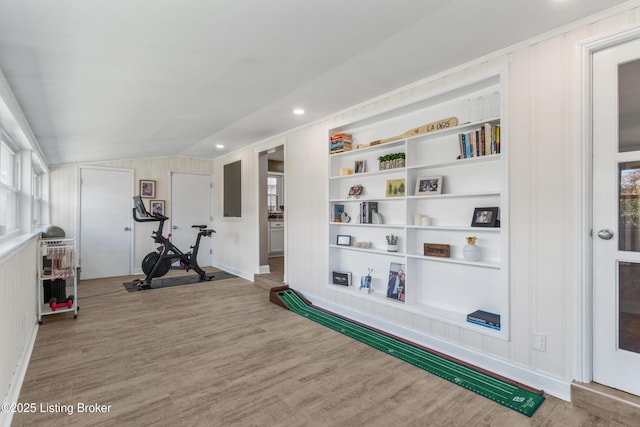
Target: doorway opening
(272, 213)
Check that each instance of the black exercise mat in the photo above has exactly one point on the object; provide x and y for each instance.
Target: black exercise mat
(166, 282)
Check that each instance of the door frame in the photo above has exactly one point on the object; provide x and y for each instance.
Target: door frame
(584, 321)
(132, 190)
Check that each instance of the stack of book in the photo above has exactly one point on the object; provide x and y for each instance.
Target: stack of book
(340, 142)
(366, 208)
(484, 318)
(480, 142)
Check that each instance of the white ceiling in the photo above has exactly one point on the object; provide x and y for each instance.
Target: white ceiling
(110, 79)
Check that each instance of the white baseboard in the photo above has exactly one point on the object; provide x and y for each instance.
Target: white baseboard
(553, 386)
(264, 269)
(232, 270)
(13, 394)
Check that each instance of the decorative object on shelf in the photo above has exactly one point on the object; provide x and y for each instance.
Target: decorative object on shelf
(429, 127)
(484, 141)
(157, 206)
(396, 282)
(340, 142)
(395, 188)
(471, 252)
(338, 210)
(392, 243)
(428, 185)
(485, 217)
(437, 249)
(484, 318)
(364, 245)
(344, 217)
(343, 240)
(356, 190)
(365, 281)
(359, 166)
(376, 218)
(346, 171)
(148, 188)
(391, 161)
(342, 278)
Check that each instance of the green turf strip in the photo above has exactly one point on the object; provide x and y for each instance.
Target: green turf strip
(509, 395)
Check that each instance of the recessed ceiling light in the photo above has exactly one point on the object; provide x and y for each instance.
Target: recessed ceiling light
(298, 111)
(219, 146)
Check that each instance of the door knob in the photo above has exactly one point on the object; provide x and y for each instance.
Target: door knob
(127, 229)
(175, 227)
(605, 234)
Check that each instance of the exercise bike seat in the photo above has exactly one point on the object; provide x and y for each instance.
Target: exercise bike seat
(201, 227)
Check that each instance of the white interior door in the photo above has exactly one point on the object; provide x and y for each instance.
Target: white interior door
(616, 214)
(105, 222)
(191, 205)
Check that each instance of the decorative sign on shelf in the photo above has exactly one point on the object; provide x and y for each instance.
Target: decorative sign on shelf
(436, 249)
(429, 127)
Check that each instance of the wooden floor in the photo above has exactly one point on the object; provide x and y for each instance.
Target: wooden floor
(219, 354)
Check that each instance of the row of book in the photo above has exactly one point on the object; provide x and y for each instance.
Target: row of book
(480, 142)
(484, 318)
(367, 209)
(340, 142)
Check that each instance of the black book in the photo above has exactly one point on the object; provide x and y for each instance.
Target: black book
(484, 318)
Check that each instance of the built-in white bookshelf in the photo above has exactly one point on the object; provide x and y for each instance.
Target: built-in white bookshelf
(444, 288)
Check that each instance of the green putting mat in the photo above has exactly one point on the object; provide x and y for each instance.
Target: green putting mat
(502, 392)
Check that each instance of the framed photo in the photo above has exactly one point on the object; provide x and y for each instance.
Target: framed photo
(396, 282)
(427, 185)
(343, 240)
(359, 166)
(395, 188)
(356, 190)
(485, 217)
(342, 278)
(157, 207)
(338, 210)
(147, 188)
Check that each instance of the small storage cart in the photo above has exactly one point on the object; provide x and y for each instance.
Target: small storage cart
(57, 280)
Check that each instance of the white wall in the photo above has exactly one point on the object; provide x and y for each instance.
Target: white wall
(544, 199)
(65, 192)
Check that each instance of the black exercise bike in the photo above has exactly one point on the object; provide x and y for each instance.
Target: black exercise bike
(158, 263)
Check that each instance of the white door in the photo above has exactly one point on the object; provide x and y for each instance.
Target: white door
(105, 222)
(616, 214)
(191, 205)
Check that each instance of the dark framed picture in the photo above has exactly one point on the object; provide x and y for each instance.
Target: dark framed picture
(343, 240)
(338, 210)
(342, 278)
(157, 206)
(485, 217)
(147, 188)
(359, 166)
(426, 185)
(396, 282)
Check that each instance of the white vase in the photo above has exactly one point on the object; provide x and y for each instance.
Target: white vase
(392, 248)
(471, 253)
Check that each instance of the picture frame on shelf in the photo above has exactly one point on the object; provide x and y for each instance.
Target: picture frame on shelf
(395, 188)
(157, 207)
(359, 166)
(428, 185)
(342, 278)
(356, 190)
(343, 240)
(148, 188)
(338, 210)
(485, 217)
(396, 282)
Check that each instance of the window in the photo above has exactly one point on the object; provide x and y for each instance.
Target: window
(8, 190)
(275, 192)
